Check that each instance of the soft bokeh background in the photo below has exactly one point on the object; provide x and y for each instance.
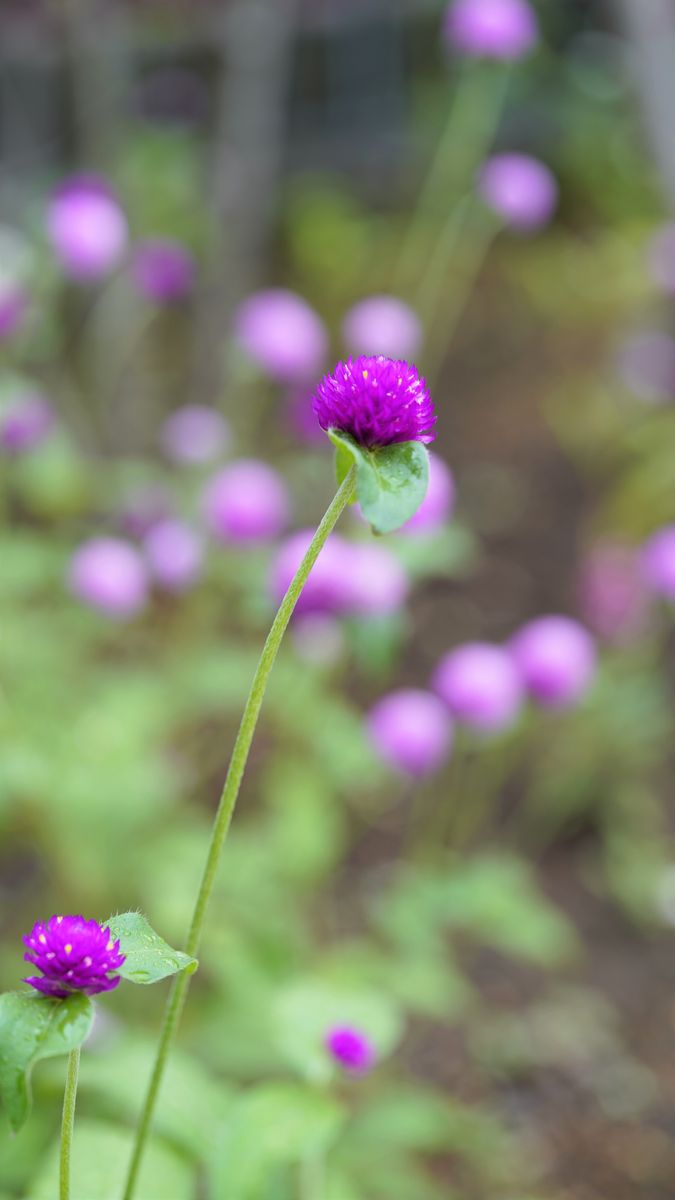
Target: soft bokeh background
(500, 928)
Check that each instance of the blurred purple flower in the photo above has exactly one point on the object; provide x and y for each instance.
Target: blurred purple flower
(382, 325)
(194, 434)
(502, 29)
(175, 554)
(163, 270)
(376, 400)
(556, 659)
(87, 228)
(348, 578)
(377, 583)
(657, 562)
(246, 502)
(282, 334)
(144, 508)
(411, 731)
(438, 504)
(351, 1049)
(109, 574)
(25, 423)
(612, 594)
(73, 955)
(520, 189)
(646, 366)
(481, 686)
(661, 258)
(13, 309)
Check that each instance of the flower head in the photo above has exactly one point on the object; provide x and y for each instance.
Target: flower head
(481, 686)
(246, 502)
(175, 554)
(411, 731)
(376, 400)
(282, 334)
(194, 434)
(73, 955)
(520, 189)
(87, 228)
(613, 596)
(556, 659)
(382, 325)
(109, 574)
(501, 29)
(657, 562)
(351, 1049)
(163, 270)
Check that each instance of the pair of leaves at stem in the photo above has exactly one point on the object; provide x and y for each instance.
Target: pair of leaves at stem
(391, 481)
(33, 1027)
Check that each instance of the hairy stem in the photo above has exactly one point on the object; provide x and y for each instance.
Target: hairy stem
(68, 1122)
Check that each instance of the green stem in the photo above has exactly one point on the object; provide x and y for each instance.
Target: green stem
(68, 1122)
(228, 799)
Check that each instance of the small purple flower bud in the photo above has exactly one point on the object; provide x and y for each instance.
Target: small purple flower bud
(73, 955)
(328, 588)
(377, 583)
(481, 686)
(351, 1049)
(25, 423)
(175, 554)
(612, 595)
(411, 731)
(383, 325)
(662, 258)
(520, 189)
(109, 574)
(439, 502)
(163, 270)
(646, 366)
(246, 502)
(556, 659)
(87, 228)
(657, 562)
(13, 309)
(279, 332)
(194, 434)
(502, 29)
(378, 401)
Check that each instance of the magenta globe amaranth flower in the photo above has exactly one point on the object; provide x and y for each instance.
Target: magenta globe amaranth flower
(501, 29)
(556, 659)
(657, 562)
(109, 574)
(351, 1049)
(87, 228)
(25, 423)
(438, 504)
(282, 334)
(73, 955)
(481, 686)
(519, 189)
(246, 502)
(175, 554)
(378, 401)
(382, 325)
(163, 270)
(411, 731)
(194, 434)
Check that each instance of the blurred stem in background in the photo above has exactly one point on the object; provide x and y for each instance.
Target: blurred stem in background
(68, 1121)
(176, 1000)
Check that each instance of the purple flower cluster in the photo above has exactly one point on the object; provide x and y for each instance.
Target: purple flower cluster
(87, 228)
(163, 270)
(412, 731)
(73, 955)
(246, 502)
(378, 401)
(351, 1049)
(282, 335)
(519, 189)
(382, 325)
(500, 29)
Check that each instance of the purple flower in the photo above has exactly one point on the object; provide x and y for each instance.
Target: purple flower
(351, 1049)
(657, 562)
(163, 270)
(382, 325)
(73, 955)
(520, 189)
(502, 29)
(481, 686)
(143, 508)
(612, 594)
(556, 659)
(87, 228)
(13, 309)
(194, 434)
(175, 554)
(376, 584)
(438, 504)
(646, 366)
(377, 401)
(109, 574)
(328, 588)
(246, 502)
(279, 331)
(411, 731)
(25, 423)
(662, 258)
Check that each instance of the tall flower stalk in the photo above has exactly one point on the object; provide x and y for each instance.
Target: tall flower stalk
(68, 1122)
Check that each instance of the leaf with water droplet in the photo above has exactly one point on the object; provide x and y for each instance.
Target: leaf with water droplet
(148, 957)
(34, 1027)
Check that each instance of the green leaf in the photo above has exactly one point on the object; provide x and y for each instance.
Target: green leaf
(148, 957)
(391, 481)
(101, 1155)
(34, 1027)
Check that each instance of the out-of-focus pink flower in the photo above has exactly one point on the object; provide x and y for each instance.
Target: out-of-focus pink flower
(556, 659)
(411, 731)
(109, 574)
(481, 686)
(246, 502)
(194, 434)
(520, 189)
(657, 562)
(501, 29)
(163, 270)
(175, 554)
(87, 228)
(612, 593)
(383, 325)
(282, 334)
(25, 423)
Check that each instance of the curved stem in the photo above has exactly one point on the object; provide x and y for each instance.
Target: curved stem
(223, 818)
(68, 1122)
